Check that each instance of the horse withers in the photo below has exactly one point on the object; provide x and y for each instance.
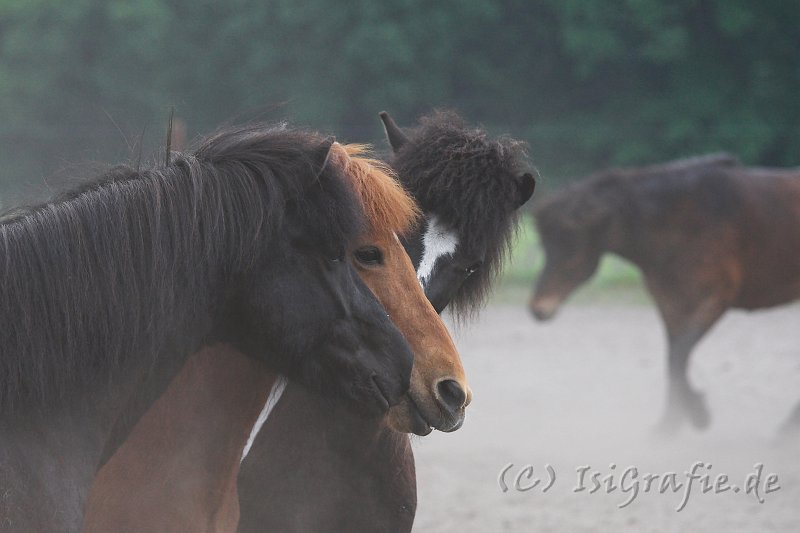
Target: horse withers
(177, 470)
(708, 235)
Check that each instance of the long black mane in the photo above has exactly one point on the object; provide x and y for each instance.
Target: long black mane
(134, 259)
(468, 180)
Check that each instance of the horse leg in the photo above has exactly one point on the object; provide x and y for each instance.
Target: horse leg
(682, 402)
(684, 331)
(791, 426)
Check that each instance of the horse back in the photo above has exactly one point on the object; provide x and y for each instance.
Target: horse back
(730, 229)
(769, 232)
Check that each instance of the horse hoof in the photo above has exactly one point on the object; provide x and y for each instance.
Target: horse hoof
(699, 416)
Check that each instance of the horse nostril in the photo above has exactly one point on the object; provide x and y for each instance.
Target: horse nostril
(451, 395)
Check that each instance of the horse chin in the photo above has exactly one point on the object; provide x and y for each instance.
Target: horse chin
(544, 309)
(409, 416)
(454, 427)
(405, 417)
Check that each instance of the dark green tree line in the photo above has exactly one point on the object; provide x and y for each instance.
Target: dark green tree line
(588, 84)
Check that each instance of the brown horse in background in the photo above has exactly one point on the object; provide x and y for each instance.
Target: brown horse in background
(177, 470)
(707, 234)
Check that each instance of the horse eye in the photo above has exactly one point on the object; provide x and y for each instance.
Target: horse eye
(472, 268)
(369, 255)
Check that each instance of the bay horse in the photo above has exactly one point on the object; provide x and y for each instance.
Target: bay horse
(708, 235)
(240, 242)
(187, 448)
(339, 473)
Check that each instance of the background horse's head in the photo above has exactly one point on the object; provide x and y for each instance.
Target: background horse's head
(470, 188)
(579, 223)
(439, 393)
(571, 225)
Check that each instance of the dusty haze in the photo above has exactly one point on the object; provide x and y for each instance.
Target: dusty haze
(586, 389)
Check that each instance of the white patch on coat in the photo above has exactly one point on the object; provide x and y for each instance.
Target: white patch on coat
(272, 400)
(437, 242)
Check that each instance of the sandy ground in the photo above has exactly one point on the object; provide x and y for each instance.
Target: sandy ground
(586, 390)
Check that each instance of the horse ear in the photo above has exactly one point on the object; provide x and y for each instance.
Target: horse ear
(397, 139)
(525, 188)
(321, 155)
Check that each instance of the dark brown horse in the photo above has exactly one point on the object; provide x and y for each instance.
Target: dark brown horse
(708, 235)
(177, 470)
(239, 242)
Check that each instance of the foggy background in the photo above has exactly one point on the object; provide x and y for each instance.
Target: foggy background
(588, 85)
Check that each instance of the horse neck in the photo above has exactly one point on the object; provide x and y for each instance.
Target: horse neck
(200, 425)
(48, 461)
(623, 235)
(49, 457)
(611, 231)
(100, 287)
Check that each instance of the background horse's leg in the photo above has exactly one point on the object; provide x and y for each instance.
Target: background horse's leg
(791, 427)
(683, 402)
(686, 320)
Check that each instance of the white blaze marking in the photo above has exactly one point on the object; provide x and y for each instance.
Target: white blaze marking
(272, 400)
(437, 242)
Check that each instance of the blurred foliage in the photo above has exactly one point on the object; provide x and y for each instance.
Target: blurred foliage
(588, 84)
